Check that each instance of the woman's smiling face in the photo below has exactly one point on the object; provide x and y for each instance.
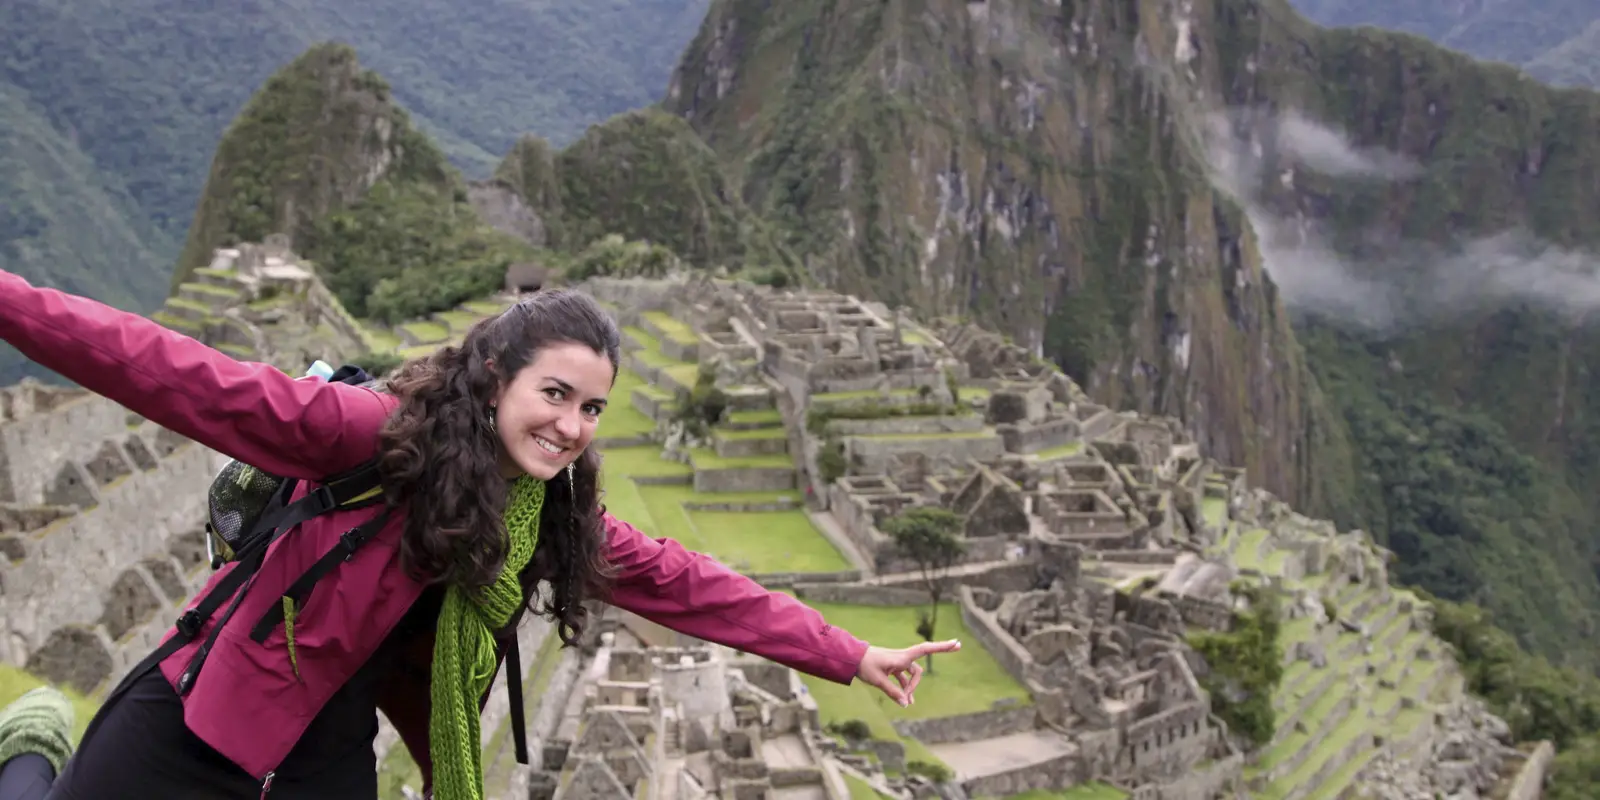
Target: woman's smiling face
(549, 411)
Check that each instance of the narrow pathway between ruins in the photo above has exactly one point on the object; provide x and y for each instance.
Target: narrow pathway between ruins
(829, 527)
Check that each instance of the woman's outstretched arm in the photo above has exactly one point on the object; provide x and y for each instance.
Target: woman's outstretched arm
(661, 581)
(253, 412)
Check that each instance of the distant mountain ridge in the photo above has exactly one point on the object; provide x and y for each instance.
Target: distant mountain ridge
(1557, 41)
(110, 111)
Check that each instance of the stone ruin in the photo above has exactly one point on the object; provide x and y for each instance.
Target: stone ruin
(685, 722)
(101, 517)
(263, 302)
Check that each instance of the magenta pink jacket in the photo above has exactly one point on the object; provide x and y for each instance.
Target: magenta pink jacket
(247, 702)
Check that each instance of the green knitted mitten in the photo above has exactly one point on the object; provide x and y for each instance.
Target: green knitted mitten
(38, 722)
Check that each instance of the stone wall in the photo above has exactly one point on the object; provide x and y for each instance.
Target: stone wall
(971, 727)
(790, 580)
(651, 406)
(909, 589)
(327, 310)
(1213, 780)
(137, 558)
(918, 426)
(744, 479)
(1047, 774)
(37, 445)
(633, 296)
(999, 644)
(1529, 781)
(875, 455)
(861, 594)
(1024, 437)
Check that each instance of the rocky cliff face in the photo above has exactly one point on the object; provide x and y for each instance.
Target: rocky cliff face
(1025, 163)
(1112, 183)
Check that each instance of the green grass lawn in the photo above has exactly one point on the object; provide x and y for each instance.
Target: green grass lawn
(751, 433)
(766, 541)
(764, 416)
(860, 789)
(621, 419)
(1059, 451)
(641, 338)
(964, 682)
(960, 683)
(459, 321)
(383, 339)
(754, 542)
(427, 332)
(674, 329)
(985, 433)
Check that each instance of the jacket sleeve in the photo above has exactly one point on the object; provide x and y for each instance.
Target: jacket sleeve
(252, 412)
(690, 593)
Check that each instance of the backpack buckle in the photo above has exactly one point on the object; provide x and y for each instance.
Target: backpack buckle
(188, 624)
(350, 542)
(324, 497)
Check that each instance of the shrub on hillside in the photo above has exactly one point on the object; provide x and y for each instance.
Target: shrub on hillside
(407, 250)
(1244, 666)
(614, 257)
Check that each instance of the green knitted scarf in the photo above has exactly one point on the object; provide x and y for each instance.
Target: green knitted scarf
(464, 652)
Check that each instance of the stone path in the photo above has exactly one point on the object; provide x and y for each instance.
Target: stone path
(974, 568)
(785, 752)
(805, 791)
(1002, 754)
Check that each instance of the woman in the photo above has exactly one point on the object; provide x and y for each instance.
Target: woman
(490, 486)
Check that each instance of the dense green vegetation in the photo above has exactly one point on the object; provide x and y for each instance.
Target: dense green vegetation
(1245, 665)
(407, 250)
(1472, 422)
(110, 111)
(1471, 516)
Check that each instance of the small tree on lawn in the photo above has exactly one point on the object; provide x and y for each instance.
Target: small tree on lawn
(932, 538)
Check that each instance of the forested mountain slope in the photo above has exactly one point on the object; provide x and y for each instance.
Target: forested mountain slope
(110, 111)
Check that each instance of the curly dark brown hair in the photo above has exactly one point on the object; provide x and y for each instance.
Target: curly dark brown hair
(439, 459)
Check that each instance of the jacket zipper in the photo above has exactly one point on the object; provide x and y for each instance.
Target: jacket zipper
(266, 785)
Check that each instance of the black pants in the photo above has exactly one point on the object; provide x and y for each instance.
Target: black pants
(26, 777)
(141, 749)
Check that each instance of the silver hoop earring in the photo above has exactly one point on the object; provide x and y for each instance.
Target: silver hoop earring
(493, 427)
